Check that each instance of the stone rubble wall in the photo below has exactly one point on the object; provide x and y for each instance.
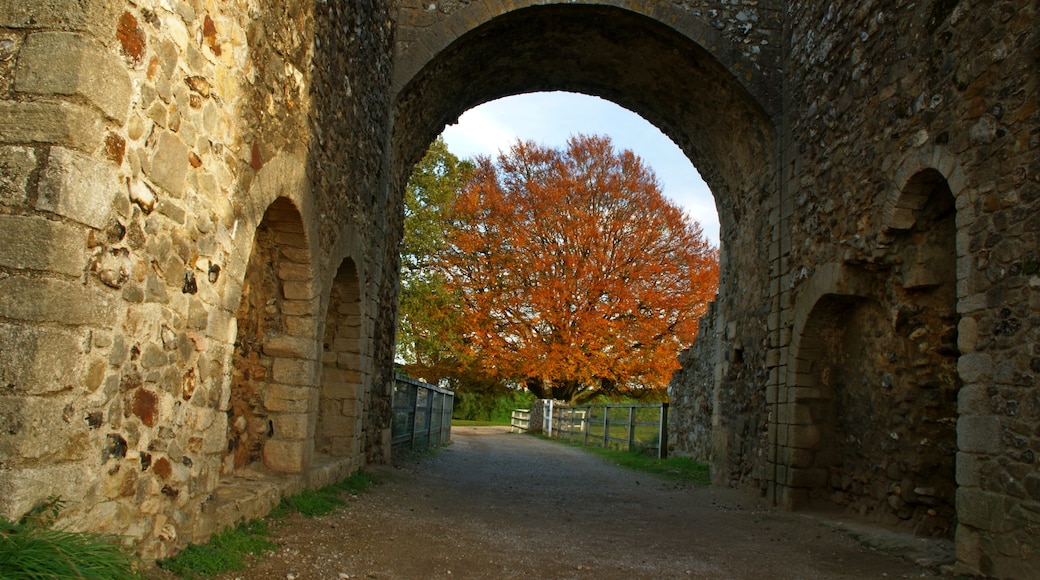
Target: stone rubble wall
(142, 145)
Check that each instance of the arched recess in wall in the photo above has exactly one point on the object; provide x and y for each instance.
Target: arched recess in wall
(343, 392)
(273, 396)
(868, 418)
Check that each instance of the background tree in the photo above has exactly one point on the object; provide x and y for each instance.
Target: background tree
(576, 276)
(428, 328)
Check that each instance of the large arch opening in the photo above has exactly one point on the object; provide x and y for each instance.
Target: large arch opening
(691, 94)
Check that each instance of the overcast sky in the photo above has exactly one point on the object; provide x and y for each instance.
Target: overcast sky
(550, 118)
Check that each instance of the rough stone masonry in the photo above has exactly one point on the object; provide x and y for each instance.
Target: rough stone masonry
(200, 207)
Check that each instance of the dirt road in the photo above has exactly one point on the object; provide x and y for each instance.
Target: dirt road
(500, 505)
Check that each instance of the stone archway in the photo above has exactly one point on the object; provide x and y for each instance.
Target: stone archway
(669, 70)
(343, 393)
(273, 399)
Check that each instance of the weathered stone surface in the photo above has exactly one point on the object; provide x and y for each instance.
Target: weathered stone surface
(62, 63)
(291, 347)
(97, 16)
(16, 167)
(284, 456)
(61, 253)
(54, 301)
(38, 360)
(78, 187)
(975, 367)
(61, 123)
(169, 166)
(979, 434)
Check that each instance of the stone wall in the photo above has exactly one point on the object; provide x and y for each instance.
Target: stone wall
(181, 182)
(692, 394)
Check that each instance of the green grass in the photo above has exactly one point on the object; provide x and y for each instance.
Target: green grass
(680, 469)
(32, 548)
(226, 551)
(469, 423)
(223, 553)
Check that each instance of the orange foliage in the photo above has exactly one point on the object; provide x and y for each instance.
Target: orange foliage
(576, 275)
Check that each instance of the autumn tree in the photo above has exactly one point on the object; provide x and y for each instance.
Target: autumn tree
(576, 276)
(428, 335)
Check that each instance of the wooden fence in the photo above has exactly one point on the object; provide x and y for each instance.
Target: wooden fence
(520, 420)
(623, 426)
(421, 414)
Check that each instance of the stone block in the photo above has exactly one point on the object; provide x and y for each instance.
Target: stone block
(287, 399)
(979, 434)
(45, 300)
(973, 400)
(290, 371)
(78, 187)
(169, 166)
(291, 347)
(805, 436)
(975, 367)
(284, 456)
(71, 64)
(339, 390)
(294, 272)
(48, 429)
(338, 425)
(63, 124)
(968, 470)
(22, 489)
(98, 16)
(295, 426)
(40, 244)
(38, 360)
(983, 510)
(16, 167)
(967, 335)
(299, 326)
(298, 290)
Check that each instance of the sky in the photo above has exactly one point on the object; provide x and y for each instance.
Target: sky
(550, 118)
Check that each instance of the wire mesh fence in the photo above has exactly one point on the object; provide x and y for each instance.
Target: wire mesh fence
(421, 414)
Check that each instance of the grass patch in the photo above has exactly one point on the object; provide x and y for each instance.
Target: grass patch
(469, 423)
(32, 551)
(32, 548)
(680, 469)
(226, 551)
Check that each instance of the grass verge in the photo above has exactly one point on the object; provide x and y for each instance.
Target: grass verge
(469, 423)
(679, 469)
(226, 551)
(30, 551)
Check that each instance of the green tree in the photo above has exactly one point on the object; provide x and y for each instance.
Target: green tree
(427, 325)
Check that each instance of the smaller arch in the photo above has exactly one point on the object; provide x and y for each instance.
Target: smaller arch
(921, 169)
(343, 394)
(274, 365)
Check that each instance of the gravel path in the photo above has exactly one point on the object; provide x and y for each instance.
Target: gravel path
(501, 505)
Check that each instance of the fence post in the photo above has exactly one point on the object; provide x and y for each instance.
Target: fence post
(547, 426)
(606, 427)
(413, 401)
(631, 427)
(662, 440)
(429, 417)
